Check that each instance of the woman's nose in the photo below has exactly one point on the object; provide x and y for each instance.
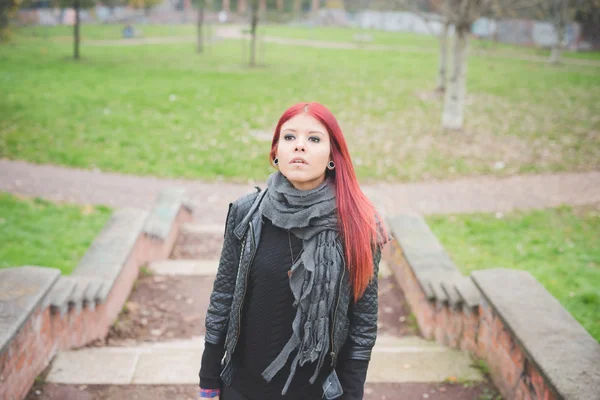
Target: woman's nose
(299, 146)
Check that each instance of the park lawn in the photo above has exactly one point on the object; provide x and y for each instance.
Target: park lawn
(41, 233)
(407, 39)
(559, 247)
(164, 110)
(318, 33)
(104, 31)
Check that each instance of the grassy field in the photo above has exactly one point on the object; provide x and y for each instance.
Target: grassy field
(164, 110)
(559, 247)
(334, 34)
(104, 32)
(37, 232)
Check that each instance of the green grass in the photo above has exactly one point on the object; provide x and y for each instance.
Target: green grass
(37, 232)
(559, 247)
(164, 110)
(103, 32)
(337, 34)
(333, 34)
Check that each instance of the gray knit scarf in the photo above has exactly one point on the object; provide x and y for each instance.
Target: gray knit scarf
(311, 215)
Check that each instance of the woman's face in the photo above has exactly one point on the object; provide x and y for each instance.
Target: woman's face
(303, 151)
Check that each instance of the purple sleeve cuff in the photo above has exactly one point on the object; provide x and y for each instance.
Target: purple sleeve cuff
(209, 393)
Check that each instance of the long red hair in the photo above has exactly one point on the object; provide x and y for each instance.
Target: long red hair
(357, 217)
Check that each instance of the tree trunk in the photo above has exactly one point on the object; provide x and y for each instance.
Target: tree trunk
(297, 7)
(555, 55)
(454, 99)
(200, 22)
(441, 86)
(254, 24)
(557, 48)
(76, 30)
(560, 20)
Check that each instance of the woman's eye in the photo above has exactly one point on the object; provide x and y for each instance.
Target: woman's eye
(288, 137)
(315, 139)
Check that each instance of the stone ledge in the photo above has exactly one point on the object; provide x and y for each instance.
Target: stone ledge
(108, 253)
(567, 356)
(163, 214)
(449, 287)
(425, 255)
(22, 290)
(31, 329)
(77, 298)
(468, 293)
(61, 293)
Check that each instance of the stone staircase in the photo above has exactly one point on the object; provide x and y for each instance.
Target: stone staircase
(94, 277)
(399, 362)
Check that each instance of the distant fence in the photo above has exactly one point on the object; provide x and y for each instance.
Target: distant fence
(521, 32)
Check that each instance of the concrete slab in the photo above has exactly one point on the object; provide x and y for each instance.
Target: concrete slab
(168, 366)
(408, 344)
(185, 267)
(22, 290)
(384, 269)
(408, 359)
(94, 366)
(408, 365)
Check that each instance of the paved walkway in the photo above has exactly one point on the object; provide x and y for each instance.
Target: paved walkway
(481, 194)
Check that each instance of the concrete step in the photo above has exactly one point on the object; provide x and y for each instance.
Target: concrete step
(61, 293)
(198, 241)
(394, 360)
(185, 267)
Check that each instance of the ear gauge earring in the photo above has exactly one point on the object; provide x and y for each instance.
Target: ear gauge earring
(276, 161)
(330, 165)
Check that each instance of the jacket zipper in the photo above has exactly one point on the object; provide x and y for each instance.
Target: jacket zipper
(236, 279)
(245, 285)
(336, 307)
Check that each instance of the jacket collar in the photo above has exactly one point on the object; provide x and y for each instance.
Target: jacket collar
(240, 229)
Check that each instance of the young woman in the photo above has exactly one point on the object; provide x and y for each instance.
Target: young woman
(293, 312)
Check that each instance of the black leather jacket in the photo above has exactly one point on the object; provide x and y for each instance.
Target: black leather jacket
(355, 323)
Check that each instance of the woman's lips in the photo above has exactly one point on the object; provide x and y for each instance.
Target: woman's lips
(298, 161)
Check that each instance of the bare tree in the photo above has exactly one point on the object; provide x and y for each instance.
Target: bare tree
(561, 13)
(7, 9)
(77, 6)
(147, 5)
(435, 6)
(461, 14)
(254, 5)
(201, 6)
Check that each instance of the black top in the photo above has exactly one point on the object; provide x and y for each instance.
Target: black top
(265, 328)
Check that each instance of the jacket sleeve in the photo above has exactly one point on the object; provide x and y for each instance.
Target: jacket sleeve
(356, 352)
(210, 368)
(217, 315)
(363, 317)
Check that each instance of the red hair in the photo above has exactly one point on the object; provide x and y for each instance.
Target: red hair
(357, 217)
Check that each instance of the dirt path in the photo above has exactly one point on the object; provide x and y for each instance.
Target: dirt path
(210, 199)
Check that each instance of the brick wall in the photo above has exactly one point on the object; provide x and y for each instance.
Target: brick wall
(480, 331)
(26, 356)
(45, 332)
